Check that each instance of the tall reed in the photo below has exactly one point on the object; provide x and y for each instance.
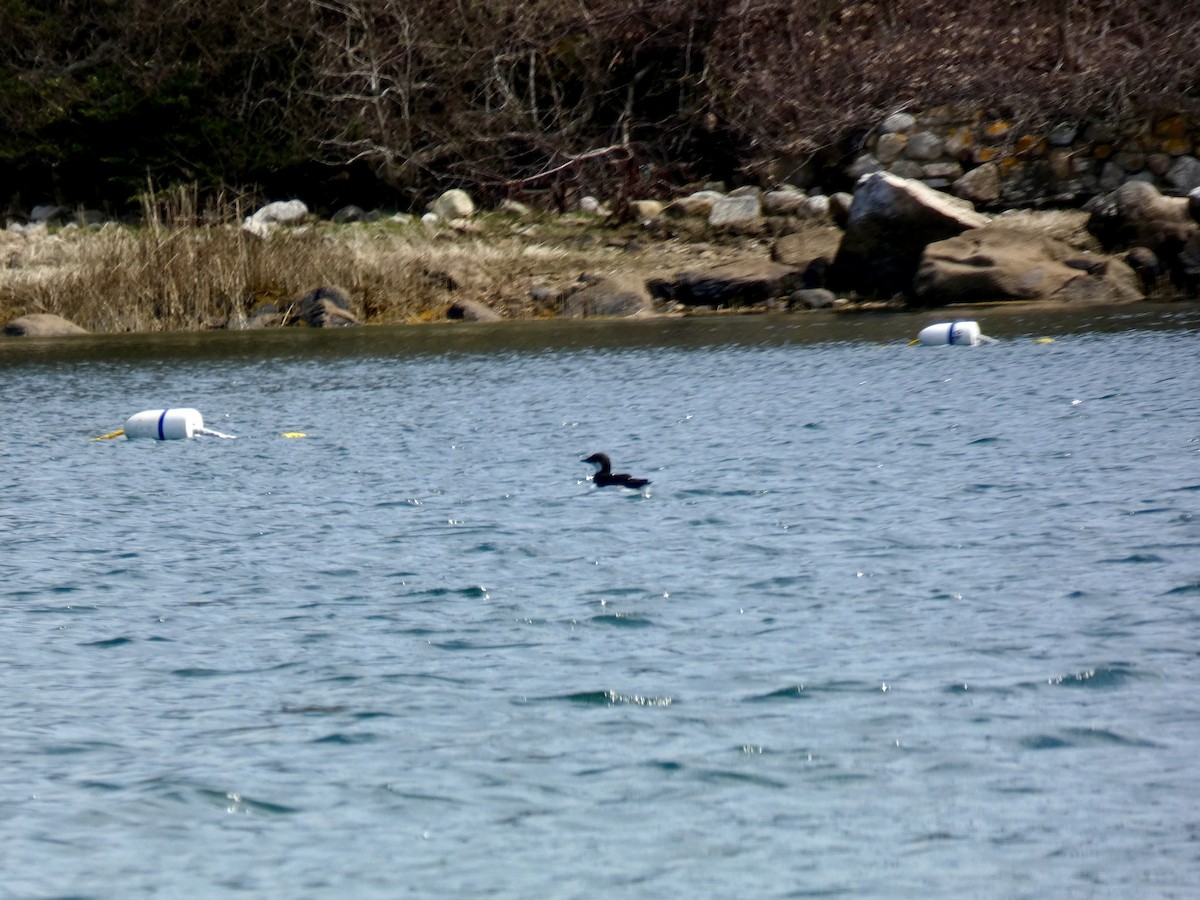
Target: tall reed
(190, 267)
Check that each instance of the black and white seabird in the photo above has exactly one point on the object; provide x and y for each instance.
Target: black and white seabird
(606, 477)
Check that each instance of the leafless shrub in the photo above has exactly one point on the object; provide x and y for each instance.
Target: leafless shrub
(547, 97)
(800, 76)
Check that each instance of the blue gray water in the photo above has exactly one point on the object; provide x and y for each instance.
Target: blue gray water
(891, 621)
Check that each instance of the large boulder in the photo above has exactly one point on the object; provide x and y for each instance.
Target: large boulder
(325, 307)
(891, 221)
(743, 283)
(996, 263)
(615, 295)
(42, 325)
(327, 314)
(1136, 214)
(279, 212)
(282, 212)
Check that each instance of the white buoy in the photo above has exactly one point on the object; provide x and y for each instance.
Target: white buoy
(168, 425)
(961, 333)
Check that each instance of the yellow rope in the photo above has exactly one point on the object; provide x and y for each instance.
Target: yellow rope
(294, 434)
(110, 435)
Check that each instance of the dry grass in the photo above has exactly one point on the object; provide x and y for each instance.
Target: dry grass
(178, 273)
(163, 278)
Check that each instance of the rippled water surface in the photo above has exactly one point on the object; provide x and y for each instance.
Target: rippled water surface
(891, 621)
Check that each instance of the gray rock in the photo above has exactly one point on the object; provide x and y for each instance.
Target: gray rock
(646, 210)
(41, 325)
(699, 203)
(863, 166)
(328, 314)
(907, 168)
(48, 213)
(591, 206)
(1184, 174)
(924, 146)
(282, 212)
(1062, 134)
(1158, 163)
(817, 206)
(1193, 206)
(746, 190)
(839, 208)
(514, 208)
(453, 204)
(745, 283)
(1112, 176)
(616, 295)
(814, 298)
(1060, 163)
(889, 147)
(959, 143)
(326, 307)
(948, 170)
(783, 202)
(898, 122)
(1137, 215)
(269, 217)
(349, 214)
(891, 222)
(981, 185)
(1130, 159)
(732, 211)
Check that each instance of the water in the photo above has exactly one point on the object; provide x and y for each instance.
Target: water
(891, 621)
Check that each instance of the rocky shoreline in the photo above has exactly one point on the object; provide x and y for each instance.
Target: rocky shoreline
(895, 243)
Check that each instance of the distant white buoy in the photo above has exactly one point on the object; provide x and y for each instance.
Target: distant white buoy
(961, 334)
(168, 425)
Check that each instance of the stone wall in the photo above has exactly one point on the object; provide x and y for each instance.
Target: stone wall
(995, 164)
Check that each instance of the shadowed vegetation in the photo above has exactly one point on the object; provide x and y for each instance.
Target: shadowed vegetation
(382, 102)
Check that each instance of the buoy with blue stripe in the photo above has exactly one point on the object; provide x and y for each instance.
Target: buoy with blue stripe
(962, 333)
(168, 425)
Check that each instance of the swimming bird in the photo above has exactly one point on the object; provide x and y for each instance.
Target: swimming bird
(606, 477)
